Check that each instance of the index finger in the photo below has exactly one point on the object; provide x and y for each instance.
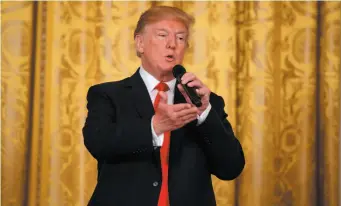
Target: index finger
(187, 77)
(181, 106)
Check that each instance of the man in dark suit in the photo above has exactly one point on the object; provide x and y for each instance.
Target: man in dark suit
(153, 147)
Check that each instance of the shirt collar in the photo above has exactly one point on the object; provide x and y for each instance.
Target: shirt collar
(151, 82)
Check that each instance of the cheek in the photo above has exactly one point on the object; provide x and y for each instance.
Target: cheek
(157, 50)
(181, 53)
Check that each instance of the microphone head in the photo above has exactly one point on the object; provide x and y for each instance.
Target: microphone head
(178, 71)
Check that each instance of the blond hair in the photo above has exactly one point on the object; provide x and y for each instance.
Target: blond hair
(158, 13)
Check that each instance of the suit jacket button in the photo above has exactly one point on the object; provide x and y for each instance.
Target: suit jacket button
(155, 184)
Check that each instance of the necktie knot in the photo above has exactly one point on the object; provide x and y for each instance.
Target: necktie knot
(162, 87)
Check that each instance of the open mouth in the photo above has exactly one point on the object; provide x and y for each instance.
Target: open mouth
(170, 57)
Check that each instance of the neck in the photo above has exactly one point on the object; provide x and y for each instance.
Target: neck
(162, 76)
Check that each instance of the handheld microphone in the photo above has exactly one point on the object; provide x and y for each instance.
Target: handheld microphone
(178, 72)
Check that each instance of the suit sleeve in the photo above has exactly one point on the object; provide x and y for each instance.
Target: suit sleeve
(222, 149)
(110, 139)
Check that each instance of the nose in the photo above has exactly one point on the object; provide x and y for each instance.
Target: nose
(171, 44)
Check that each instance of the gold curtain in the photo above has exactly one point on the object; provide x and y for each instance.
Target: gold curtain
(277, 65)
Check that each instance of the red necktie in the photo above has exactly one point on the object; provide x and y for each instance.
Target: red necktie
(163, 198)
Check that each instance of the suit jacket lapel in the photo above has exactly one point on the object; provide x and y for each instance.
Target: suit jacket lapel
(176, 135)
(140, 96)
(178, 98)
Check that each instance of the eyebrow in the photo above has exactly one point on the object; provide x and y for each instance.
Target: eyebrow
(180, 32)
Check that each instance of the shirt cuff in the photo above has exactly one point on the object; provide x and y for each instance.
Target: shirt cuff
(203, 115)
(157, 140)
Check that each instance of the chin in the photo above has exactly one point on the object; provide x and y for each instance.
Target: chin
(168, 67)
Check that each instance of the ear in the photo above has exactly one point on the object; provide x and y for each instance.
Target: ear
(139, 43)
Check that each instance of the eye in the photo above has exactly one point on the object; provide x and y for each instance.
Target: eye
(162, 35)
(181, 38)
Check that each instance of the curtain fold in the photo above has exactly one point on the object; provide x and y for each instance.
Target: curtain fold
(276, 64)
(16, 73)
(329, 96)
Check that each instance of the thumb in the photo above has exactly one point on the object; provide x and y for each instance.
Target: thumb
(163, 97)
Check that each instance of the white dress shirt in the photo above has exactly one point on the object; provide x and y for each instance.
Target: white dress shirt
(151, 83)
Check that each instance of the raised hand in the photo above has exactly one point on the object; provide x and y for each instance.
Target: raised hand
(170, 117)
(202, 90)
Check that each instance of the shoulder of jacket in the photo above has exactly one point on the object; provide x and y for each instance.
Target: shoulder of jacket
(109, 85)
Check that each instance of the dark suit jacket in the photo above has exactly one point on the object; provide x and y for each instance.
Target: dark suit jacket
(117, 132)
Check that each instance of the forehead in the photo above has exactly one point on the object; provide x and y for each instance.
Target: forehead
(168, 25)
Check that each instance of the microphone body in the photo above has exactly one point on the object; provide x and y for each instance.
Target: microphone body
(178, 72)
